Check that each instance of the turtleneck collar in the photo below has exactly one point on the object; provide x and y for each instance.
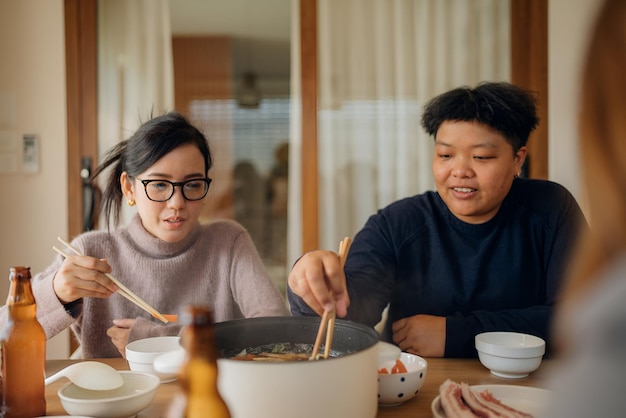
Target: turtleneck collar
(154, 247)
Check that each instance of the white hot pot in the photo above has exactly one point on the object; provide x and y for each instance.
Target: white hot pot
(339, 387)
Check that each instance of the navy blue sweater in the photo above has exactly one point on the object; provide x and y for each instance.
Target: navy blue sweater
(502, 275)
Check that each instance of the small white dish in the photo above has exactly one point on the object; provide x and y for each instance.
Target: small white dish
(510, 354)
(137, 392)
(141, 354)
(397, 388)
(171, 362)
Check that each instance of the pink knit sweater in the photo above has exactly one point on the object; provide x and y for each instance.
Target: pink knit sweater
(216, 265)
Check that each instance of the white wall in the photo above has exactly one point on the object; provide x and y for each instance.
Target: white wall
(33, 207)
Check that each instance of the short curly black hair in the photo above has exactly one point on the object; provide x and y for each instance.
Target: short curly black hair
(505, 107)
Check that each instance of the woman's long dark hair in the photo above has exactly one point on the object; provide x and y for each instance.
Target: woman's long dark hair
(152, 141)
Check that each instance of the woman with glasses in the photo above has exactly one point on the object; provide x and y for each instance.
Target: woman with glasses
(163, 255)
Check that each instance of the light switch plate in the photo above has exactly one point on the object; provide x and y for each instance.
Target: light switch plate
(30, 158)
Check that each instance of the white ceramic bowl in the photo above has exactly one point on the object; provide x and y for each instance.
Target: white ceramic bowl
(135, 395)
(396, 388)
(141, 354)
(510, 354)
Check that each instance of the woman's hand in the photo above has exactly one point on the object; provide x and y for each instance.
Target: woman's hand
(82, 276)
(424, 335)
(119, 333)
(319, 280)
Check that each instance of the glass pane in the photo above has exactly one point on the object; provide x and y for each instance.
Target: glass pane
(259, 140)
(226, 66)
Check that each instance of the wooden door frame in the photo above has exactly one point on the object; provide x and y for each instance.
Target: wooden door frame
(309, 156)
(82, 113)
(529, 69)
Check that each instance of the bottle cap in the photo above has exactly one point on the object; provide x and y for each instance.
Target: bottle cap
(196, 315)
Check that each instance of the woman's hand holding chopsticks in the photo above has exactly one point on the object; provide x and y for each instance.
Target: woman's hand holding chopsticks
(327, 323)
(81, 276)
(318, 278)
(122, 289)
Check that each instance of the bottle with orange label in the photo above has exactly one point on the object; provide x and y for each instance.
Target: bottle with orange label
(23, 344)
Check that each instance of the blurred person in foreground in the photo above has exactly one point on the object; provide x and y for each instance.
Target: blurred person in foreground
(163, 254)
(590, 320)
(484, 252)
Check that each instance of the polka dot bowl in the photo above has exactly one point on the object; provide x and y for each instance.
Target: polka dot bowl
(396, 387)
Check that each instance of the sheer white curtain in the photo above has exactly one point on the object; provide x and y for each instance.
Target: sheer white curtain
(135, 68)
(379, 61)
(294, 194)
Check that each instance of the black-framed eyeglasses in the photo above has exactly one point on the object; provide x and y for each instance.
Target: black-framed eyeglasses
(163, 190)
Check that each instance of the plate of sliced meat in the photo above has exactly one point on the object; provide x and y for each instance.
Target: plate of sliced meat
(460, 400)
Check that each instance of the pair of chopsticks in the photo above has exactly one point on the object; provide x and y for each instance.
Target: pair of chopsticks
(123, 290)
(327, 324)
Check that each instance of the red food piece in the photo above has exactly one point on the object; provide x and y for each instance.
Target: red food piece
(399, 367)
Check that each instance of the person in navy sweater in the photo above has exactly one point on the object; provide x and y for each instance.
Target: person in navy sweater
(484, 252)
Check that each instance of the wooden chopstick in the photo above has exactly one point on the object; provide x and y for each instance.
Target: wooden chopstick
(133, 298)
(123, 290)
(327, 323)
(329, 332)
(344, 246)
(120, 291)
(320, 333)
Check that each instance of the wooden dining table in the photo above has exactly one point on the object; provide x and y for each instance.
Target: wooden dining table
(460, 370)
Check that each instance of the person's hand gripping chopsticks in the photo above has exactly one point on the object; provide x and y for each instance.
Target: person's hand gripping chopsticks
(81, 276)
(318, 278)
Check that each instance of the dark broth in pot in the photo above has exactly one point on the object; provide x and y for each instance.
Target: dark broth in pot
(275, 352)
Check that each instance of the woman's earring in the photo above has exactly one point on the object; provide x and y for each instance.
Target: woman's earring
(131, 202)
(517, 175)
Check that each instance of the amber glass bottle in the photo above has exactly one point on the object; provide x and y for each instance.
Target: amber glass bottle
(199, 373)
(23, 342)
